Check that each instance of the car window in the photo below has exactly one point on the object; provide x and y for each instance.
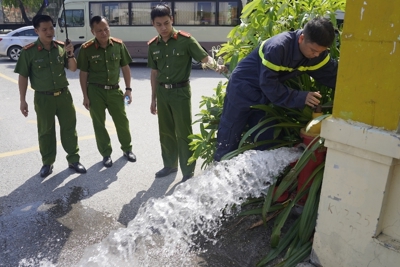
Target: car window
(30, 32)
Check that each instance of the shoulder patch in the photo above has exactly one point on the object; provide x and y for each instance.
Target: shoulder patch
(116, 40)
(29, 46)
(152, 40)
(186, 34)
(59, 42)
(87, 44)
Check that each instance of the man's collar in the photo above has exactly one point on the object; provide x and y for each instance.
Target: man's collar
(40, 46)
(97, 44)
(174, 34)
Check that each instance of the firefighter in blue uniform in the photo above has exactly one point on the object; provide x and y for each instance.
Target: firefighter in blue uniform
(259, 79)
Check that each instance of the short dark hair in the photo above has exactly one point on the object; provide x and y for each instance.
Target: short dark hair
(319, 30)
(41, 18)
(160, 10)
(96, 19)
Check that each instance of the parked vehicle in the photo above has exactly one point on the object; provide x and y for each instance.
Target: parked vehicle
(12, 42)
(209, 22)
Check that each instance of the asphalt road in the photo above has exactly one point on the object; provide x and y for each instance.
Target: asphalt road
(54, 219)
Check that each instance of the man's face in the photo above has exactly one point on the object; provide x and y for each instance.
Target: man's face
(309, 49)
(163, 26)
(101, 31)
(45, 32)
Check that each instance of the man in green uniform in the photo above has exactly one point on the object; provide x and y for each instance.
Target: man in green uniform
(170, 59)
(43, 62)
(99, 61)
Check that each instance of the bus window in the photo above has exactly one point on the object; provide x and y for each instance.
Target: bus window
(115, 13)
(228, 13)
(74, 18)
(194, 13)
(141, 12)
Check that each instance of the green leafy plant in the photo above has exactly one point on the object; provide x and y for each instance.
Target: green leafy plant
(262, 19)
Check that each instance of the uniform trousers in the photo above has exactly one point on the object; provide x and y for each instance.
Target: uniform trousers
(175, 125)
(112, 100)
(236, 115)
(47, 107)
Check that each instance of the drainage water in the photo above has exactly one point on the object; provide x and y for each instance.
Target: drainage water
(165, 230)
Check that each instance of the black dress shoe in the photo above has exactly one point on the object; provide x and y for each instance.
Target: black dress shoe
(46, 170)
(186, 177)
(107, 162)
(165, 171)
(78, 167)
(130, 156)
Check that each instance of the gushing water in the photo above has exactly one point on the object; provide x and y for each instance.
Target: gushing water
(165, 230)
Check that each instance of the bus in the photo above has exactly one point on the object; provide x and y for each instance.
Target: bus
(209, 21)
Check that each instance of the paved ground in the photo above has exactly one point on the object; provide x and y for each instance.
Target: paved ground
(54, 219)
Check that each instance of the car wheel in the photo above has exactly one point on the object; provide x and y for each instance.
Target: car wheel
(14, 52)
(196, 64)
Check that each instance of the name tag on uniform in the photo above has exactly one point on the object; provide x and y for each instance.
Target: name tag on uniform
(39, 60)
(95, 56)
(156, 52)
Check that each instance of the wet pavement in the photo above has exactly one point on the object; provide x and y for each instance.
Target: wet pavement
(52, 220)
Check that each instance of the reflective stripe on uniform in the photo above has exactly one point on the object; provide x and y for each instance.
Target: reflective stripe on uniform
(283, 68)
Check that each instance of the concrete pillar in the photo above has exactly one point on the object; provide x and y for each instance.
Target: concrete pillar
(359, 215)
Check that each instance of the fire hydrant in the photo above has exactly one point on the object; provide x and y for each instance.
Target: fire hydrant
(319, 154)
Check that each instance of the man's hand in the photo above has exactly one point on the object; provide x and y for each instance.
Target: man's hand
(153, 107)
(69, 48)
(312, 99)
(129, 94)
(86, 103)
(24, 108)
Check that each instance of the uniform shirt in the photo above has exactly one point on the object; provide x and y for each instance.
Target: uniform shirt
(45, 69)
(261, 75)
(103, 64)
(173, 59)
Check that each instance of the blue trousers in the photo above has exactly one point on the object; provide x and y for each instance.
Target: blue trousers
(236, 114)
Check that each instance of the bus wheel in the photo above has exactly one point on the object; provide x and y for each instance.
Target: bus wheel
(196, 64)
(76, 52)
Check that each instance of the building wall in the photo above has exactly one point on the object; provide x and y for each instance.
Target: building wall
(368, 85)
(359, 213)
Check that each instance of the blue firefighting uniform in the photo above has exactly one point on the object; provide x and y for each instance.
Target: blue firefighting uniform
(258, 79)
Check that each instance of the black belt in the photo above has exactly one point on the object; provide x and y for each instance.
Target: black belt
(174, 85)
(57, 93)
(105, 86)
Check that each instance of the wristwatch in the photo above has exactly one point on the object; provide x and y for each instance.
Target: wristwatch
(128, 89)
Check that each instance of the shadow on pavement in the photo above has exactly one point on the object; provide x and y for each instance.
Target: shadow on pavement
(156, 190)
(43, 220)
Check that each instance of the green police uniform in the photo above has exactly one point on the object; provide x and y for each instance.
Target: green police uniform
(45, 69)
(173, 60)
(103, 66)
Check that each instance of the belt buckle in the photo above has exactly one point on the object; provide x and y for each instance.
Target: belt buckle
(108, 87)
(57, 93)
(168, 86)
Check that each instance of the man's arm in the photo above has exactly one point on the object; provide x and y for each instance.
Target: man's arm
(153, 81)
(23, 86)
(126, 72)
(83, 78)
(69, 49)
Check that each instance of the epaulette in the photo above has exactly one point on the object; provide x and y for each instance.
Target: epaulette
(186, 34)
(87, 44)
(29, 46)
(59, 42)
(116, 40)
(152, 40)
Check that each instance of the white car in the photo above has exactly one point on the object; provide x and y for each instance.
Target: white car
(12, 42)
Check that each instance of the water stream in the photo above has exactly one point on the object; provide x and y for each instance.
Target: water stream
(166, 231)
